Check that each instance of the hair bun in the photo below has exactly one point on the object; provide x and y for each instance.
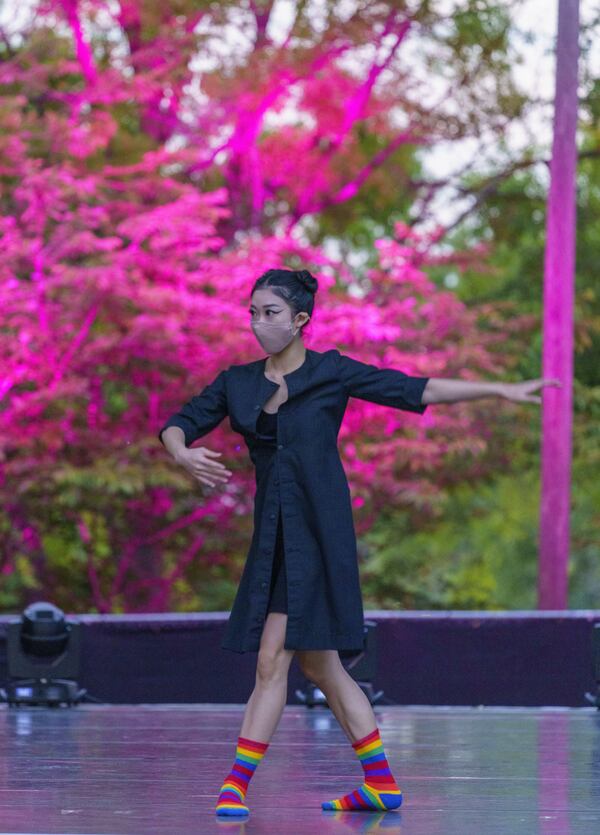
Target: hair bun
(308, 280)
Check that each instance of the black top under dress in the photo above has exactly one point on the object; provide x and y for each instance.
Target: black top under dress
(266, 426)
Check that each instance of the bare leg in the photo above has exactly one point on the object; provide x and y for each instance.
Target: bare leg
(269, 696)
(349, 704)
(262, 713)
(353, 711)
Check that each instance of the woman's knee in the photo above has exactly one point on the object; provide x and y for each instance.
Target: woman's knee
(272, 664)
(318, 666)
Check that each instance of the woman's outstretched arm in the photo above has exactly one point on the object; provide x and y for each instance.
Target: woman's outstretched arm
(440, 390)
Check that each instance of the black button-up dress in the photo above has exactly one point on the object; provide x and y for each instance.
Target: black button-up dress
(299, 475)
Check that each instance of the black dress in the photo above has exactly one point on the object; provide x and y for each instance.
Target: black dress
(301, 477)
(266, 426)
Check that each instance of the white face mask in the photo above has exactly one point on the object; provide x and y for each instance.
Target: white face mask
(274, 336)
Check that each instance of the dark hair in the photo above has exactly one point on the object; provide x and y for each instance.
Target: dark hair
(296, 287)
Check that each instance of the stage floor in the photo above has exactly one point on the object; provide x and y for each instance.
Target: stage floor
(146, 769)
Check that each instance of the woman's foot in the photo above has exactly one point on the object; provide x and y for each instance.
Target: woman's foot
(231, 800)
(379, 791)
(366, 798)
(249, 753)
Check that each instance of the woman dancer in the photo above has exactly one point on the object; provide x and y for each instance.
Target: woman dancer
(299, 592)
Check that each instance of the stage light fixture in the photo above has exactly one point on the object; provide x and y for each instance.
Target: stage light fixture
(43, 650)
(362, 666)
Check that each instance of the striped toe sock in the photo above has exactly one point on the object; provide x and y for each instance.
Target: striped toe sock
(248, 754)
(379, 790)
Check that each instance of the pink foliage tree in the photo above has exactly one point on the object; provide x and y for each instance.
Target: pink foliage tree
(131, 239)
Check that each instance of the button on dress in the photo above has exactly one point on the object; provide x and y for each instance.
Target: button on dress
(303, 533)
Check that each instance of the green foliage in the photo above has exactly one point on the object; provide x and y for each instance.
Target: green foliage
(474, 546)
(480, 552)
(512, 219)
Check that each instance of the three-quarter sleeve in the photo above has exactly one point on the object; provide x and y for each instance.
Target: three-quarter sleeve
(386, 386)
(202, 413)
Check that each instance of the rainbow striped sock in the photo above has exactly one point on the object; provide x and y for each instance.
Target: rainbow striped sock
(379, 790)
(248, 754)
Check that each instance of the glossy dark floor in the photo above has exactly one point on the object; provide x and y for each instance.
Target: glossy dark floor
(158, 769)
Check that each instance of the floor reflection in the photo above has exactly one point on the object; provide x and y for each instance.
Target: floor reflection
(149, 769)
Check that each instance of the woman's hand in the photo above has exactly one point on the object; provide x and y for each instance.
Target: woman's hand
(200, 463)
(522, 392)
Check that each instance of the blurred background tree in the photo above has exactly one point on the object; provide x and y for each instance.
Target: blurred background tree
(155, 160)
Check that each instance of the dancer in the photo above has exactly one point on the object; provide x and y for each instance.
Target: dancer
(299, 592)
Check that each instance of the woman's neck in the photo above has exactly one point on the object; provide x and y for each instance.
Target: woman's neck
(285, 362)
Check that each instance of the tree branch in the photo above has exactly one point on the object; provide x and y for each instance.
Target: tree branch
(82, 47)
(490, 186)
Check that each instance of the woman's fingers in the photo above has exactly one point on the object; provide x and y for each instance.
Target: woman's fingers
(215, 464)
(209, 474)
(222, 475)
(205, 469)
(212, 467)
(542, 382)
(206, 479)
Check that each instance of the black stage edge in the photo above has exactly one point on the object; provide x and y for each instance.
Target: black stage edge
(524, 658)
